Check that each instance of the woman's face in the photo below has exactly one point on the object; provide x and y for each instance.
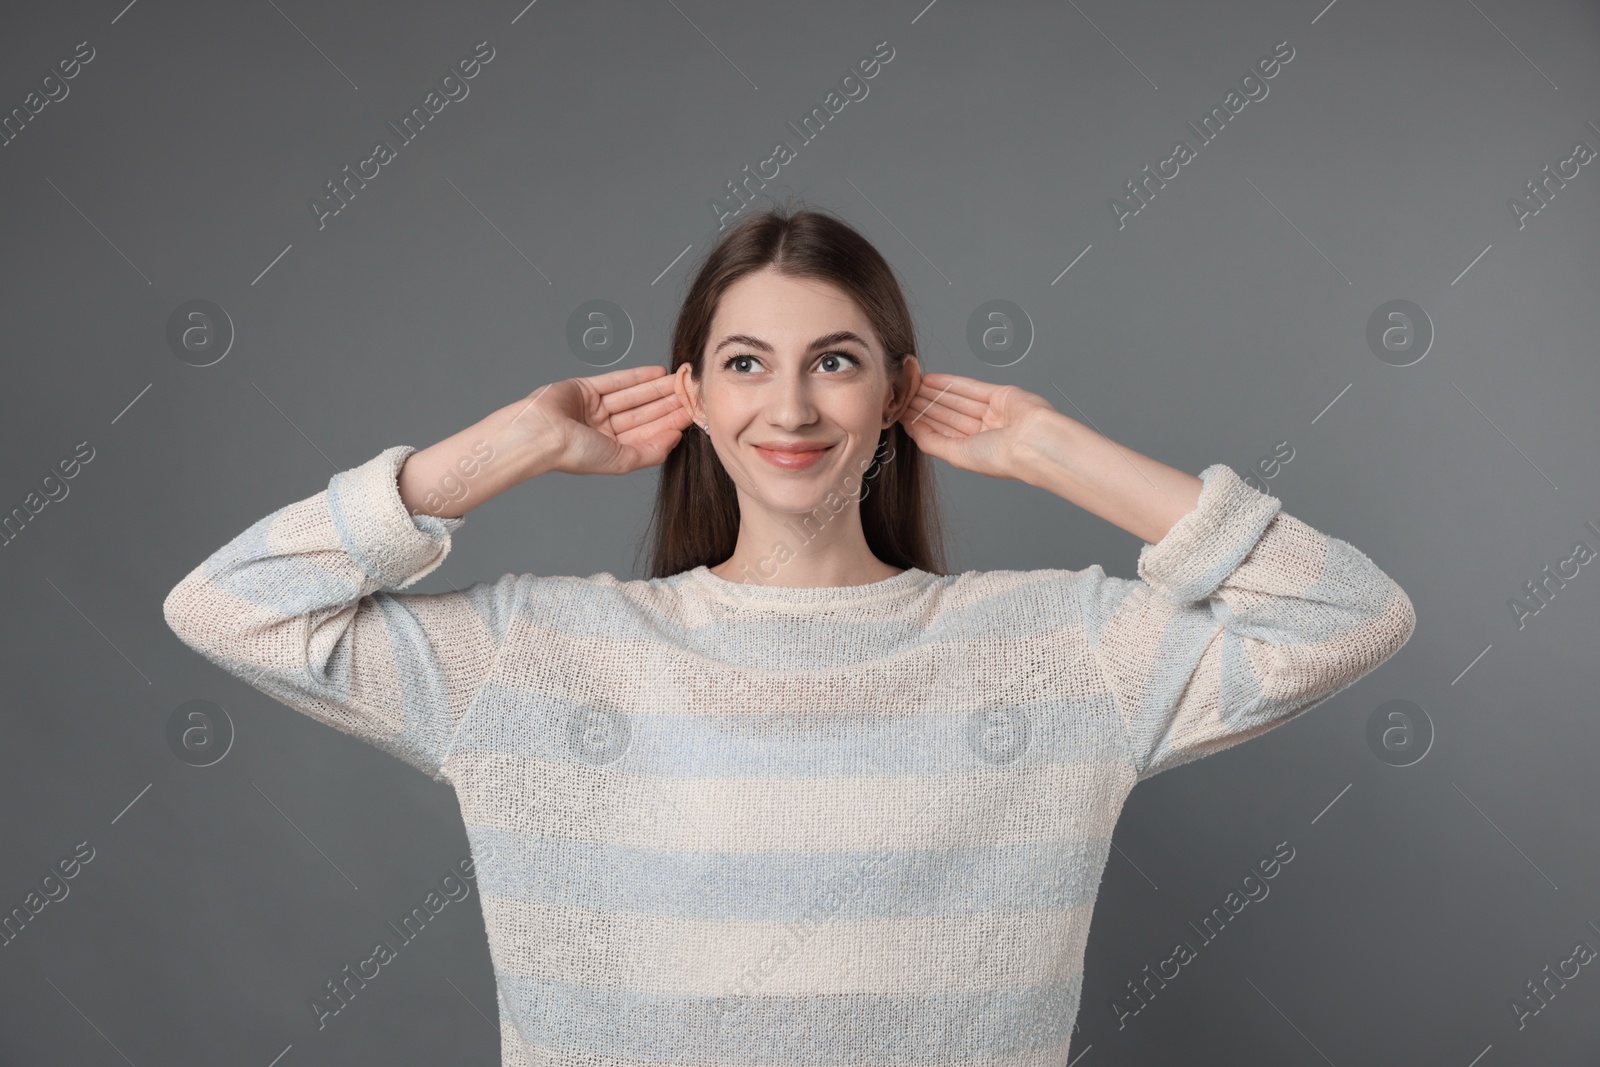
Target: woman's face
(795, 389)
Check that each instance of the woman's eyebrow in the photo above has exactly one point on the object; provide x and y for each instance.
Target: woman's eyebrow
(825, 341)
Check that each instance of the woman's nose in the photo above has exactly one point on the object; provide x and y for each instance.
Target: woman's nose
(790, 404)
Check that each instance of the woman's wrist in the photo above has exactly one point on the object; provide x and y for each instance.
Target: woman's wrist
(1046, 451)
(1077, 463)
(469, 468)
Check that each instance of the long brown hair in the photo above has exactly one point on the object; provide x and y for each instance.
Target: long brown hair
(696, 516)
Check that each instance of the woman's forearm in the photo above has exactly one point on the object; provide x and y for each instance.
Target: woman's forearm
(466, 469)
(1073, 461)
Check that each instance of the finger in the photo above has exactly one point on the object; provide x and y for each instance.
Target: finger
(965, 425)
(929, 421)
(623, 377)
(671, 422)
(924, 398)
(933, 441)
(644, 413)
(961, 386)
(946, 417)
(949, 422)
(944, 399)
(950, 398)
(627, 396)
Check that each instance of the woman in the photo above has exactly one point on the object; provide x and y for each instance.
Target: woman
(799, 797)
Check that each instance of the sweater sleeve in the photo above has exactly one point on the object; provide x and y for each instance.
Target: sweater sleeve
(1244, 617)
(302, 605)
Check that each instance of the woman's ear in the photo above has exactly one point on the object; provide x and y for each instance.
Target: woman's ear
(902, 389)
(687, 389)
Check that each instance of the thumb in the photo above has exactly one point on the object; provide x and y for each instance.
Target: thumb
(658, 447)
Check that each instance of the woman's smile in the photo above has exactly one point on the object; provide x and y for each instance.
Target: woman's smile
(793, 457)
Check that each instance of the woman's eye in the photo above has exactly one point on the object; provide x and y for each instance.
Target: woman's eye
(836, 356)
(829, 362)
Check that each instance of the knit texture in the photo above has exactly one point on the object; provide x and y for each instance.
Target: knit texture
(726, 824)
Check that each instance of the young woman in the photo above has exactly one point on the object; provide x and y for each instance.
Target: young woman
(800, 797)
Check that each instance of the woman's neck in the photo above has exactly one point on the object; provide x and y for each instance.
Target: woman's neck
(805, 550)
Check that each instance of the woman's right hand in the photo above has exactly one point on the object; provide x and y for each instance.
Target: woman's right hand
(612, 423)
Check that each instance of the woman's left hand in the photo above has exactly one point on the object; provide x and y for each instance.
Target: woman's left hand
(972, 424)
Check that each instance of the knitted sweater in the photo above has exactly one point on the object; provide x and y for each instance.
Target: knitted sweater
(716, 823)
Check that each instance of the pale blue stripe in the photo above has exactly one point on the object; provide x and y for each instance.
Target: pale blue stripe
(1241, 708)
(784, 886)
(1352, 588)
(1100, 596)
(813, 742)
(776, 639)
(495, 602)
(347, 540)
(1171, 664)
(435, 527)
(1344, 600)
(860, 1028)
(289, 585)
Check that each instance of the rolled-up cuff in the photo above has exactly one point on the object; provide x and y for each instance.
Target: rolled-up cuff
(395, 547)
(1206, 545)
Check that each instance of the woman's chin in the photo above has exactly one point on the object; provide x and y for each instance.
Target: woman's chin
(790, 497)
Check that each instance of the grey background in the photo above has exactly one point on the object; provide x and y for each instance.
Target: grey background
(1223, 319)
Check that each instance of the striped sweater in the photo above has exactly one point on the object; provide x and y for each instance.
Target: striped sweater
(716, 823)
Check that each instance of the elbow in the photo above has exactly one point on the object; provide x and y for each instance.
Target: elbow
(223, 631)
(179, 610)
(1409, 617)
(1395, 624)
(1385, 634)
(191, 614)
(1304, 675)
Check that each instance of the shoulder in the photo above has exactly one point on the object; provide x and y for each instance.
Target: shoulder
(595, 603)
(1012, 601)
(997, 588)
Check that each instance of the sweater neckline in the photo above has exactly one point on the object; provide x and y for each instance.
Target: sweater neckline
(818, 596)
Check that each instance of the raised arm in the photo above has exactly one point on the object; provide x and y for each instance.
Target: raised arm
(304, 605)
(1242, 618)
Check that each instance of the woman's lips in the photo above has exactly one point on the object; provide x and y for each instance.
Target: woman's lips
(792, 461)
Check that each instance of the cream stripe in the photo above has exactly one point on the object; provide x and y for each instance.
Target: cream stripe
(266, 644)
(696, 610)
(519, 1053)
